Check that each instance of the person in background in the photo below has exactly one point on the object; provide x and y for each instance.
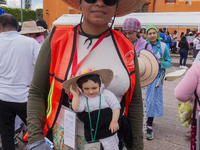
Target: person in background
(184, 92)
(162, 35)
(154, 105)
(175, 40)
(18, 55)
(167, 40)
(182, 34)
(30, 29)
(130, 30)
(143, 32)
(183, 50)
(196, 46)
(42, 23)
(59, 60)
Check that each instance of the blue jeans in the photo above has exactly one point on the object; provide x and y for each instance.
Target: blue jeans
(183, 55)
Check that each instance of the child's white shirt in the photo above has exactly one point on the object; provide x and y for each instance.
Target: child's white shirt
(108, 99)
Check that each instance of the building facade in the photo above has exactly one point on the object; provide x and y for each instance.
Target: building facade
(173, 5)
(54, 9)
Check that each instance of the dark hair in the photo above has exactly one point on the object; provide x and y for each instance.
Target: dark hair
(183, 39)
(41, 22)
(167, 32)
(93, 77)
(19, 28)
(182, 33)
(8, 21)
(160, 30)
(142, 30)
(37, 34)
(175, 31)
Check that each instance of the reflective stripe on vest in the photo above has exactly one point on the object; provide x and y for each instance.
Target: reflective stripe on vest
(49, 100)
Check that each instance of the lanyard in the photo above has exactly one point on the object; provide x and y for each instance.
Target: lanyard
(93, 138)
(75, 65)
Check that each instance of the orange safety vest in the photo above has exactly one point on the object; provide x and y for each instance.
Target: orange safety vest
(63, 45)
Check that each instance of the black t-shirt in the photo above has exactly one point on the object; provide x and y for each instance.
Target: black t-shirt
(183, 45)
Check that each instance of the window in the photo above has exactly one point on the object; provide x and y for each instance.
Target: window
(170, 1)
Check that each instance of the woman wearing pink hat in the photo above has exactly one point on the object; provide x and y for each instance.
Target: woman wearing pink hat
(92, 43)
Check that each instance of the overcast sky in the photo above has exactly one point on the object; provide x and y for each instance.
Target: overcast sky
(17, 4)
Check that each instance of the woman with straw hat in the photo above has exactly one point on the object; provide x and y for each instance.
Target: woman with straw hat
(91, 43)
(154, 107)
(30, 29)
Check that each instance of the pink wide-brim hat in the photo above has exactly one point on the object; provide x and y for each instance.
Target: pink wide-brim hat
(125, 6)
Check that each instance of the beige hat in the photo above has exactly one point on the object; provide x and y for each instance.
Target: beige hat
(105, 74)
(149, 67)
(125, 6)
(31, 27)
(174, 75)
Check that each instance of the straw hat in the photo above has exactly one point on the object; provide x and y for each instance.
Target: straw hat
(105, 74)
(31, 27)
(174, 75)
(149, 67)
(125, 6)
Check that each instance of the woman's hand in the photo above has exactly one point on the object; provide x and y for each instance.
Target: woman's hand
(74, 92)
(114, 126)
(159, 62)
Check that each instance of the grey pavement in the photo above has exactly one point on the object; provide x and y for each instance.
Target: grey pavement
(168, 133)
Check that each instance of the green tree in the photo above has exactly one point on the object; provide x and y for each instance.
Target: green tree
(27, 13)
(39, 13)
(3, 2)
(27, 4)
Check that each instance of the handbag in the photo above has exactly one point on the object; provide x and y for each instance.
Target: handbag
(184, 113)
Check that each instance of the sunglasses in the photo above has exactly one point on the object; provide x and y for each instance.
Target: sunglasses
(106, 2)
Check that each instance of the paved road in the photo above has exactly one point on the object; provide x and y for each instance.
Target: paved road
(169, 134)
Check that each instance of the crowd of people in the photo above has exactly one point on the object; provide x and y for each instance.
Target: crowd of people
(111, 82)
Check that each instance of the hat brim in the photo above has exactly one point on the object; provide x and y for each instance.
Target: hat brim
(105, 74)
(151, 67)
(174, 75)
(125, 6)
(32, 31)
